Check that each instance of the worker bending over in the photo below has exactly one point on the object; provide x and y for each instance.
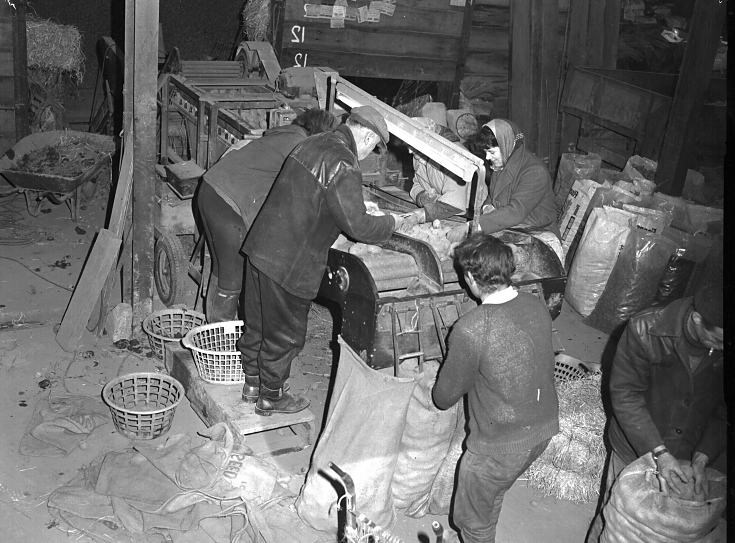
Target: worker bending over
(230, 196)
(667, 391)
(317, 195)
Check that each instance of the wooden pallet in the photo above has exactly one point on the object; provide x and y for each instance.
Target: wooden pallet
(274, 435)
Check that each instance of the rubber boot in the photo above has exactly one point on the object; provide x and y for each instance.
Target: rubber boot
(278, 401)
(221, 304)
(251, 388)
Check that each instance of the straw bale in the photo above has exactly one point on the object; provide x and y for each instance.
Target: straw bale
(256, 16)
(54, 48)
(571, 466)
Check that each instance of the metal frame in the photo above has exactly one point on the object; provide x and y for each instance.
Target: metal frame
(331, 89)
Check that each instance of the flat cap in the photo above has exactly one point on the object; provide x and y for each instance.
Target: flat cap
(368, 117)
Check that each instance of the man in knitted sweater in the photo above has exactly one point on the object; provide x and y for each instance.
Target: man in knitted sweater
(500, 355)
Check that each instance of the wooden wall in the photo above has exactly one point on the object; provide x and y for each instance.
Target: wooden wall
(487, 64)
(420, 40)
(13, 76)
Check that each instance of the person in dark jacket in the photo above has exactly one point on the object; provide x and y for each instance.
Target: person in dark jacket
(317, 195)
(230, 196)
(520, 191)
(666, 391)
(501, 357)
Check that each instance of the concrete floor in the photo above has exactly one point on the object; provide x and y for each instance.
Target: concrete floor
(41, 260)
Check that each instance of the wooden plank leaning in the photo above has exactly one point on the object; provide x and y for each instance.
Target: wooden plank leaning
(96, 280)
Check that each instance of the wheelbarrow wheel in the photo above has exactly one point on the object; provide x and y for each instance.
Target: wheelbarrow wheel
(170, 267)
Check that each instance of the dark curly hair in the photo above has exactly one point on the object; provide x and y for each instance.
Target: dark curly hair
(481, 140)
(316, 121)
(489, 260)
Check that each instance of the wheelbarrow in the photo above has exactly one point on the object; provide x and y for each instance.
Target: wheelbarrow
(74, 161)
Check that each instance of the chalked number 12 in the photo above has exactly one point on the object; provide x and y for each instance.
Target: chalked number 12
(299, 34)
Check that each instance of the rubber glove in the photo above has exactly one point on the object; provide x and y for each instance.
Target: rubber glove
(699, 463)
(458, 233)
(670, 472)
(425, 197)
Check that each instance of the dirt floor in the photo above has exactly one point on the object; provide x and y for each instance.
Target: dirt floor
(41, 260)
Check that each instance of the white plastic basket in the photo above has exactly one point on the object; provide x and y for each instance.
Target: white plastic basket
(214, 348)
(170, 325)
(143, 404)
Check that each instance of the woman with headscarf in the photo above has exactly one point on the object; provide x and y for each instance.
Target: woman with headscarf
(230, 196)
(520, 193)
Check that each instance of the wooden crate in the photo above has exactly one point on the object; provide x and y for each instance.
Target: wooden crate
(635, 113)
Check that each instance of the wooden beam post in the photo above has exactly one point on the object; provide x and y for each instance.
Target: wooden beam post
(462, 56)
(694, 77)
(145, 61)
(534, 73)
(611, 34)
(20, 61)
(593, 32)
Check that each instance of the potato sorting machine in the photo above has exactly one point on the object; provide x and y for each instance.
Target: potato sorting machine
(397, 301)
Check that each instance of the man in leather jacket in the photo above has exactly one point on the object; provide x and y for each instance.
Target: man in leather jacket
(666, 391)
(317, 195)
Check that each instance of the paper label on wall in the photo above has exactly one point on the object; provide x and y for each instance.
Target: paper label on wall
(337, 22)
(459, 3)
(339, 12)
(362, 13)
(312, 11)
(385, 8)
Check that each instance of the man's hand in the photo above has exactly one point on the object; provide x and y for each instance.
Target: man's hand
(412, 219)
(670, 472)
(398, 221)
(458, 233)
(424, 198)
(699, 463)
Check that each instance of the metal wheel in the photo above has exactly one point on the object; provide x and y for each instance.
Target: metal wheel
(170, 266)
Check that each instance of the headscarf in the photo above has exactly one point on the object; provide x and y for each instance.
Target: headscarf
(507, 134)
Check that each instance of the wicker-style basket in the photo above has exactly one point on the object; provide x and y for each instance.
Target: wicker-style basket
(170, 325)
(143, 404)
(214, 349)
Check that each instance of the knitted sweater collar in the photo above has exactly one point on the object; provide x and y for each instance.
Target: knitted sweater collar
(501, 296)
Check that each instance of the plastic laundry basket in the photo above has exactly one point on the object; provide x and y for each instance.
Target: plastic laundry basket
(170, 325)
(567, 368)
(143, 404)
(214, 349)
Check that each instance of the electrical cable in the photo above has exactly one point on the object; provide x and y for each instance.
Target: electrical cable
(38, 274)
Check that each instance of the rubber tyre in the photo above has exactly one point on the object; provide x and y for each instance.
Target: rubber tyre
(170, 265)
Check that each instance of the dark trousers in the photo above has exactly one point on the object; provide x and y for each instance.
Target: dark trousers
(224, 230)
(275, 328)
(481, 486)
(613, 468)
